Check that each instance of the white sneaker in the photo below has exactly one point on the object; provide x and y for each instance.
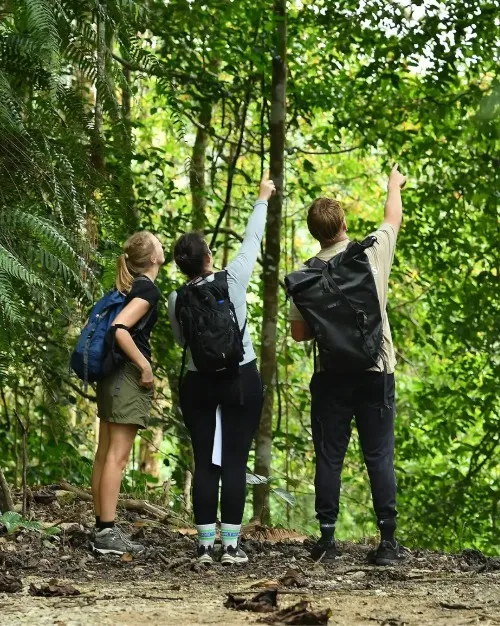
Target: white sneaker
(205, 554)
(232, 555)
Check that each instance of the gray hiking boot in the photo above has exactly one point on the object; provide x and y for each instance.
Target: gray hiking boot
(113, 541)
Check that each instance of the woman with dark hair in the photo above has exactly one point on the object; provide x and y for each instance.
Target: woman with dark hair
(221, 404)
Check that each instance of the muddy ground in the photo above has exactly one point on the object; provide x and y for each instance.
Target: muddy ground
(166, 586)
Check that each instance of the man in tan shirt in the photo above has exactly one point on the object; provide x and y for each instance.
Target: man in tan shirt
(337, 398)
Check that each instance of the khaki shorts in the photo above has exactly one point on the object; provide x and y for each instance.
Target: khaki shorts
(122, 400)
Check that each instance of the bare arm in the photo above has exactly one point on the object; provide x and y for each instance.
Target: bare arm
(129, 316)
(393, 212)
(301, 330)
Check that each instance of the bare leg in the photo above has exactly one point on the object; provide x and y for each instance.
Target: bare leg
(100, 457)
(121, 439)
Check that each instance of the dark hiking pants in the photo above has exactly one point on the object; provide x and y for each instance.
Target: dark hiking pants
(240, 397)
(335, 400)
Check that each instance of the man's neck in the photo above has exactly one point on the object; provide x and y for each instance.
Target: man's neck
(329, 244)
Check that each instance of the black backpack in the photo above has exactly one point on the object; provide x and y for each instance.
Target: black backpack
(209, 325)
(338, 299)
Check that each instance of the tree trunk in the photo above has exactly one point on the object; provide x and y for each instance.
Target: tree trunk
(197, 171)
(97, 155)
(272, 262)
(6, 503)
(127, 180)
(149, 463)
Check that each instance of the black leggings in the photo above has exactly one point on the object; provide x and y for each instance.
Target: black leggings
(240, 397)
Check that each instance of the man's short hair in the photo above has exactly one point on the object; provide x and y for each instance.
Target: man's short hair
(324, 219)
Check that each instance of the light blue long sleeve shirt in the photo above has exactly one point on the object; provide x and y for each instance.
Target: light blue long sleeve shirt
(239, 272)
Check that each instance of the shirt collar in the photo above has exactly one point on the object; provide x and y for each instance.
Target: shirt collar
(330, 251)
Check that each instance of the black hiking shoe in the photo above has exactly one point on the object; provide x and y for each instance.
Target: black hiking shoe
(205, 554)
(324, 551)
(388, 554)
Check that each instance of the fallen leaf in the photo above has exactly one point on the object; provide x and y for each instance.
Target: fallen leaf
(292, 578)
(52, 589)
(458, 606)
(9, 583)
(299, 613)
(263, 582)
(187, 531)
(263, 602)
(127, 557)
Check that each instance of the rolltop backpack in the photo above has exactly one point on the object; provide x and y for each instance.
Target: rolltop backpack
(338, 299)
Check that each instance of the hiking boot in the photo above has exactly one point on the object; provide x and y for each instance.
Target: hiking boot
(388, 553)
(113, 541)
(232, 555)
(205, 554)
(324, 551)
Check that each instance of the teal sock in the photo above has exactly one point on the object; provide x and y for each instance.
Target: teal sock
(230, 534)
(206, 535)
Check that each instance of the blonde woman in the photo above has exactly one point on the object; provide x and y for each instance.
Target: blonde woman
(124, 397)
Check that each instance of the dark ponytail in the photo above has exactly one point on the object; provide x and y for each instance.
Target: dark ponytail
(189, 254)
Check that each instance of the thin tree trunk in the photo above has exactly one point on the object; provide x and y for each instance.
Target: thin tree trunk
(97, 155)
(149, 463)
(188, 502)
(25, 468)
(197, 171)
(6, 502)
(227, 224)
(272, 262)
(127, 182)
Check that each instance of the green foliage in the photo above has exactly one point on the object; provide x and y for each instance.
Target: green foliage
(14, 522)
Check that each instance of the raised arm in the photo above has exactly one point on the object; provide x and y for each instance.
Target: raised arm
(393, 212)
(241, 267)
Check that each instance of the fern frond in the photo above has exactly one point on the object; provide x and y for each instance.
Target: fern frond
(8, 305)
(42, 24)
(11, 265)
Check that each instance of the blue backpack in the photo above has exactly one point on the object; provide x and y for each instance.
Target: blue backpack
(87, 358)
(88, 355)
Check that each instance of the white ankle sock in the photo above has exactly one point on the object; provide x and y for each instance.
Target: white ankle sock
(206, 535)
(230, 534)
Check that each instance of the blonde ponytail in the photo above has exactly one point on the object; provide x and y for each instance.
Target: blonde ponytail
(136, 259)
(124, 278)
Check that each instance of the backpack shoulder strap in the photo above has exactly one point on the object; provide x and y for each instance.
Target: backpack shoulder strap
(315, 263)
(220, 279)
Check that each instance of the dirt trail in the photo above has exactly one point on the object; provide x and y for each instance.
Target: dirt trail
(452, 601)
(166, 586)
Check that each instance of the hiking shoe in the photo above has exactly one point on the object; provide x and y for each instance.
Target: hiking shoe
(113, 541)
(388, 553)
(232, 555)
(205, 554)
(324, 551)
